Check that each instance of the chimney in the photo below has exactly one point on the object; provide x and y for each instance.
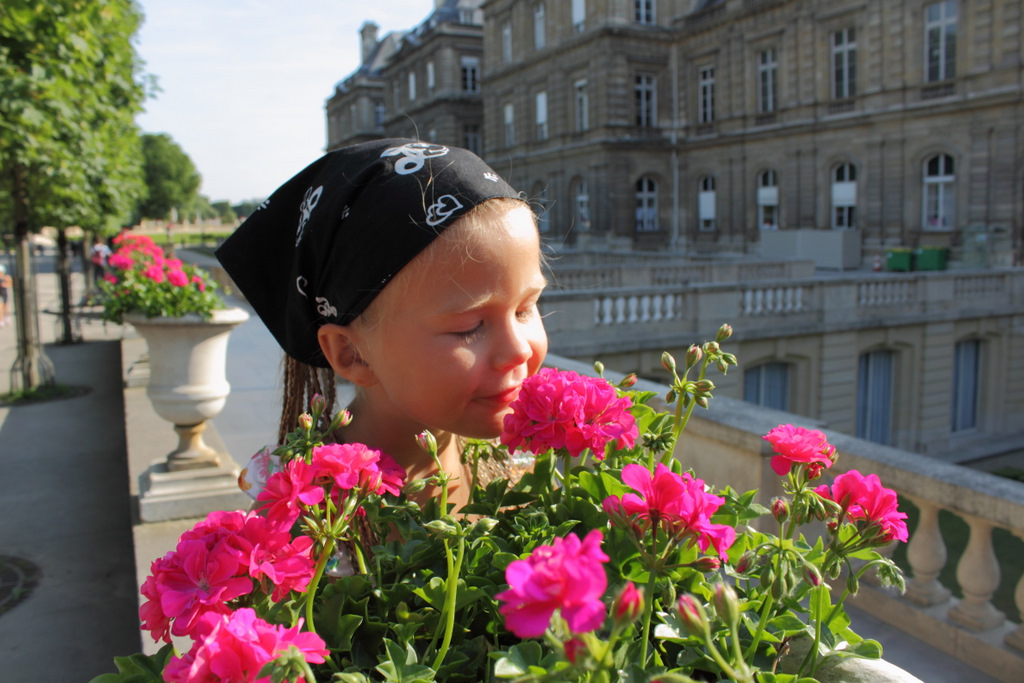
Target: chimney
(368, 39)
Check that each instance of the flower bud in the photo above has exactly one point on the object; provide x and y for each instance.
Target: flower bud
(724, 332)
(726, 603)
(318, 404)
(706, 564)
(692, 615)
(780, 510)
(814, 470)
(722, 366)
(729, 359)
(704, 386)
(746, 562)
(599, 368)
(693, 355)
(628, 381)
(628, 605)
(574, 647)
(668, 362)
(812, 575)
(702, 401)
(712, 347)
(344, 418)
(306, 421)
(427, 442)
(852, 585)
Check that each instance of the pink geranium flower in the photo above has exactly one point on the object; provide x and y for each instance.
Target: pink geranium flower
(798, 445)
(559, 409)
(677, 502)
(177, 277)
(287, 489)
(120, 260)
(865, 500)
(237, 646)
(355, 466)
(568, 576)
(154, 272)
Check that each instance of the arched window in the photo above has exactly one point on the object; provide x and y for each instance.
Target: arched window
(938, 191)
(646, 205)
(706, 203)
(844, 197)
(767, 385)
(581, 205)
(768, 200)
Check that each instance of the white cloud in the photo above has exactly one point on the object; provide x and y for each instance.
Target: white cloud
(243, 82)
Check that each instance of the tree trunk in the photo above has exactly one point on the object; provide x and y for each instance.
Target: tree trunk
(64, 276)
(31, 369)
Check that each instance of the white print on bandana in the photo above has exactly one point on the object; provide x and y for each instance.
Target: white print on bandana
(414, 155)
(324, 308)
(264, 204)
(493, 177)
(309, 202)
(301, 282)
(440, 210)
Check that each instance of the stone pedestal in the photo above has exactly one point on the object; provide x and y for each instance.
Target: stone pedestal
(166, 495)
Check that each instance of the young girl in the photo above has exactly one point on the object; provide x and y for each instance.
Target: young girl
(413, 271)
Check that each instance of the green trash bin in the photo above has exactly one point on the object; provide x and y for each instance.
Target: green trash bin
(931, 258)
(899, 259)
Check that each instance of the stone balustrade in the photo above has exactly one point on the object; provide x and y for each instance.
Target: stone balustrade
(666, 303)
(724, 446)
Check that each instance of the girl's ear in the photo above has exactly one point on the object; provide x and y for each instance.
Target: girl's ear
(338, 344)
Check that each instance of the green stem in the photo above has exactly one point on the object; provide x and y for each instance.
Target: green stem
(766, 608)
(812, 653)
(321, 563)
(648, 612)
(451, 591)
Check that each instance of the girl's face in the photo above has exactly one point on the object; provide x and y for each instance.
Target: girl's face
(453, 346)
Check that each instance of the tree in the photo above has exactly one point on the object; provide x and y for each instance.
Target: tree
(69, 151)
(171, 178)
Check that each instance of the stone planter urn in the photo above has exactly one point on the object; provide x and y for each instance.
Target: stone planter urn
(187, 386)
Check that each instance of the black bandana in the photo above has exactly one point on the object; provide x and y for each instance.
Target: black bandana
(327, 241)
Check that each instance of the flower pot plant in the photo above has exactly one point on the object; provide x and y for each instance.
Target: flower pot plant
(175, 307)
(608, 560)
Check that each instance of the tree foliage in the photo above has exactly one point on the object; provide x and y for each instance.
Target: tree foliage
(171, 178)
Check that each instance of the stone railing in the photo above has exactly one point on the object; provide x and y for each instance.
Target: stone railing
(724, 446)
(760, 308)
(569, 275)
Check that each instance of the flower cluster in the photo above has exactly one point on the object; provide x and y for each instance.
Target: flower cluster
(142, 280)
(562, 409)
(628, 567)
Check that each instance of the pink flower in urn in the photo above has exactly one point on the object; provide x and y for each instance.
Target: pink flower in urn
(559, 409)
(177, 277)
(567, 576)
(154, 272)
(237, 646)
(198, 281)
(120, 260)
(798, 445)
(678, 502)
(865, 500)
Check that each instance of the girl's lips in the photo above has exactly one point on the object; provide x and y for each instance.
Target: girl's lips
(506, 396)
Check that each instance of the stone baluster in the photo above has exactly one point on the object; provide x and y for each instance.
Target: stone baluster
(978, 575)
(926, 554)
(747, 302)
(645, 308)
(620, 310)
(1015, 638)
(633, 306)
(658, 304)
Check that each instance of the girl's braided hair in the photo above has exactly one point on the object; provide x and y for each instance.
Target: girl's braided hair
(301, 382)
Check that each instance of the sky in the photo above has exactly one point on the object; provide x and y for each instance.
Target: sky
(243, 83)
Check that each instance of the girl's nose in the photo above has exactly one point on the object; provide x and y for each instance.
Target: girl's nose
(514, 348)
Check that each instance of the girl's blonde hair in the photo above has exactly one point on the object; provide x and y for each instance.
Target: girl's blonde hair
(301, 381)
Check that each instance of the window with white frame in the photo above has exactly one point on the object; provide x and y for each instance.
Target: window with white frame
(844, 63)
(768, 200)
(966, 370)
(510, 124)
(581, 206)
(940, 40)
(767, 81)
(541, 109)
(706, 99)
(767, 385)
(579, 15)
(539, 37)
(412, 86)
(506, 42)
(643, 11)
(646, 205)
(582, 105)
(471, 138)
(431, 79)
(844, 197)
(470, 74)
(644, 94)
(706, 202)
(939, 184)
(874, 396)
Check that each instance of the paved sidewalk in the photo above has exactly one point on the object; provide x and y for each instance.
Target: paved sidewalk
(70, 470)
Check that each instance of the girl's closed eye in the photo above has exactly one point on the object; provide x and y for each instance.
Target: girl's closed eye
(470, 334)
